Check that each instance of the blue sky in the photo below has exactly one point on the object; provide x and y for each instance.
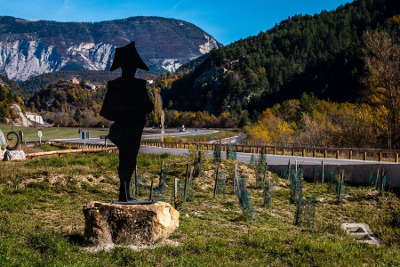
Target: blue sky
(226, 20)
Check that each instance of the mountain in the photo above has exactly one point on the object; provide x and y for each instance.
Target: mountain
(321, 54)
(30, 48)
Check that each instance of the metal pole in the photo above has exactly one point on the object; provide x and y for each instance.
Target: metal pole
(136, 187)
(175, 191)
(216, 182)
(151, 189)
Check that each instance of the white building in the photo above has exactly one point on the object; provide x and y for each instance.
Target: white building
(90, 86)
(75, 80)
(38, 119)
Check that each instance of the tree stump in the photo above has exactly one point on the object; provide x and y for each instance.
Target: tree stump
(107, 223)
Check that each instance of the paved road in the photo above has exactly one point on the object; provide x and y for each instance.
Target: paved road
(230, 140)
(273, 160)
(188, 132)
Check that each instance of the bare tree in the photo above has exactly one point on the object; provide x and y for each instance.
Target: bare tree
(383, 64)
(158, 113)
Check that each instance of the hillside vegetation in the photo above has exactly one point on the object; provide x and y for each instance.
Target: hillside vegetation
(35, 84)
(67, 104)
(320, 122)
(321, 54)
(6, 99)
(312, 121)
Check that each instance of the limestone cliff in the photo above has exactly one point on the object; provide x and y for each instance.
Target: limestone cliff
(30, 48)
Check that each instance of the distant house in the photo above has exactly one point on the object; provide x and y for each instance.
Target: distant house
(35, 118)
(75, 80)
(90, 86)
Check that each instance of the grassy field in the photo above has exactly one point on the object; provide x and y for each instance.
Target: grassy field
(41, 220)
(30, 134)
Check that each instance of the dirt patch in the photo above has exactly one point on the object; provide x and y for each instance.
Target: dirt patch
(107, 183)
(108, 247)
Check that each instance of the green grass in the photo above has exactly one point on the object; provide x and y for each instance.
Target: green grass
(41, 220)
(30, 134)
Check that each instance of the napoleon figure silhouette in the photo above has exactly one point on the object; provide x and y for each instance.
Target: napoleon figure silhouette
(126, 103)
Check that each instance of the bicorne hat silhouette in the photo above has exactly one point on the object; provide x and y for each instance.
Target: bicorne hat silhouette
(128, 57)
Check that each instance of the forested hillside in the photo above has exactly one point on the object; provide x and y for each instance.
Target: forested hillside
(12, 86)
(36, 83)
(67, 104)
(63, 103)
(321, 54)
(6, 99)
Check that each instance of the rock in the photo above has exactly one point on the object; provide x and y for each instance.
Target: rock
(107, 223)
(14, 155)
(3, 145)
(361, 232)
(3, 142)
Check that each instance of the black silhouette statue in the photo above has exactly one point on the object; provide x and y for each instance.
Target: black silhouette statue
(127, 103)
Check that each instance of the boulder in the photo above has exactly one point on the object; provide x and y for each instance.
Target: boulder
(3, 142)
(14, 155)
(361, 232)
(123, 224)
(3, 145)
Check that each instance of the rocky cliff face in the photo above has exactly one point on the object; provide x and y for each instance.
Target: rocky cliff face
(18, 117)
(21, 59)
(30, 48)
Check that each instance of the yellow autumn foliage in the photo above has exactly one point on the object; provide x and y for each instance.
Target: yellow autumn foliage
(327, 123)
(271, 129)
